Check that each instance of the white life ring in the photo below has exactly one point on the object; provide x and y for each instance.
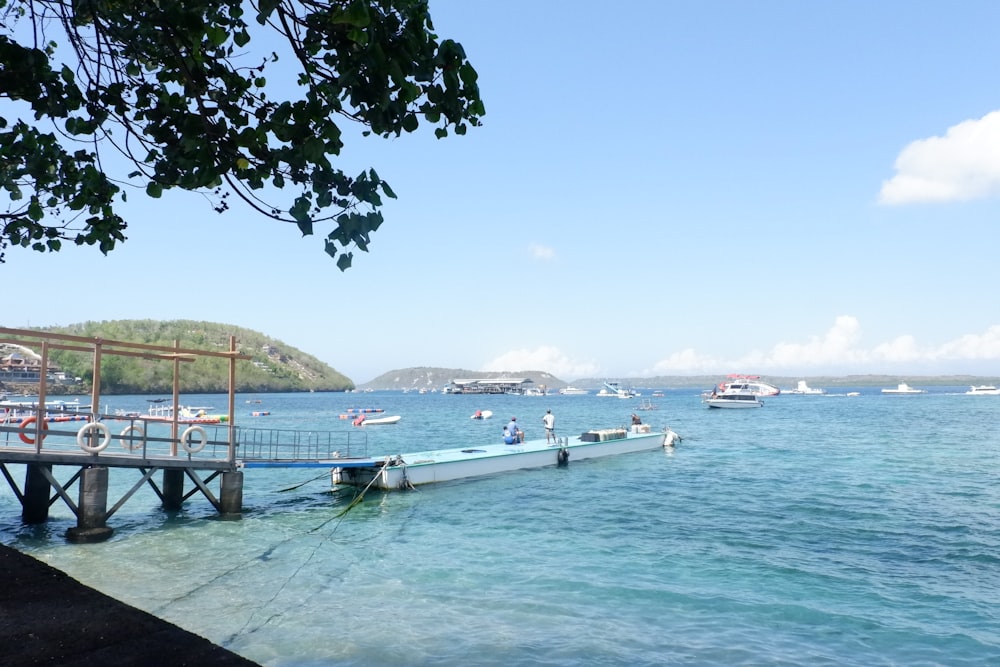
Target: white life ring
(189, 447)
(83, 437)
(136, 442)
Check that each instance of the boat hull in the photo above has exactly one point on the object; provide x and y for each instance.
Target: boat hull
(742, 402)
(430, 467)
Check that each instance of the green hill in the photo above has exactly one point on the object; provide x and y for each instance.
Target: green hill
(274, 367)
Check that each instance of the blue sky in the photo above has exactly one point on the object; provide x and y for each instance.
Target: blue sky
(659, 188)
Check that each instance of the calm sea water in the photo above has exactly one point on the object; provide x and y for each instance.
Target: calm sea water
(818, 530)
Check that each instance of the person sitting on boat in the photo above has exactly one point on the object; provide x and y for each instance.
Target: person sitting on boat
(635, 419)
(508, 437)
(515, 431)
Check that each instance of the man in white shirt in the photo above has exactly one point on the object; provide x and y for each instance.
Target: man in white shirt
(549, 420)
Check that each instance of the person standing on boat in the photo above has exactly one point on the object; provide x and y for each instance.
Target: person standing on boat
(549, 421)
(515, 431)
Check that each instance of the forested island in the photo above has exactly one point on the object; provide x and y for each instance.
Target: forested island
(274, 366)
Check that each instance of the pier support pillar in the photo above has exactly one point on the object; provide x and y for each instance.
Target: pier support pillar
(36, 494)
(173, 488)
(92, 513)
(231, 492)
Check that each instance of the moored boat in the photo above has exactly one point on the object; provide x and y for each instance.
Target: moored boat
(570, 390)
(733, 396)
(364, 420)
(751, 383)
(983, 390)
(904, 388)
(615, 390)
(803, 388)
(408, 470)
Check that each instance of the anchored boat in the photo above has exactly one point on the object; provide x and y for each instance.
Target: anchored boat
(409, 470)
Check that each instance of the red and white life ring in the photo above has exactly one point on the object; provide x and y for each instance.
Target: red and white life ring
(23, 434)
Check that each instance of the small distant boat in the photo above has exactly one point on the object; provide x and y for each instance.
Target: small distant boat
(733, 396)
(853, 393)
(658, 394)
(804, 388)
(983, 390)
(482, 414)
(363, 420)
(904, 388)
(646, 404)
(570, 390)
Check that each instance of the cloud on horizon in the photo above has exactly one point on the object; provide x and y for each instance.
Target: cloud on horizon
(834, 352)
(962, 165)
(545, 358)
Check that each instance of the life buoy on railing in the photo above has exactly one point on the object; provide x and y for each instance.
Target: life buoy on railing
(188, 445)
(84, 434)
(28, 421)
(135, 442)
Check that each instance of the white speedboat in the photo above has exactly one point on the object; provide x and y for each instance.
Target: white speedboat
(804, 388)
(983, 390)
(570, 390)
(482, 414)
(363, 420)
(733, 396)
(904, 388)
(751, 383)
(404, 471)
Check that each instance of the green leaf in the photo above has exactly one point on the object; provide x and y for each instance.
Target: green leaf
(154, 189)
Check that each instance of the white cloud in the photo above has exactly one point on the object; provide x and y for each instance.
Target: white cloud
(539, 251)
(972, 346)
(687, 362)
(964, 164)
(837, 351)
(545, 358)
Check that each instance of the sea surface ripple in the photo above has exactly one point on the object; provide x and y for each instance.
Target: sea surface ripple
(819, 530)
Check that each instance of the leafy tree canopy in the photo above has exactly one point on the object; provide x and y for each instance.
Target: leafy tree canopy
(177, 89)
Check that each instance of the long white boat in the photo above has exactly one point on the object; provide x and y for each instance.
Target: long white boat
(983, 390)
(804, 388)
(904, 388)
(404, 471)
(570, 390)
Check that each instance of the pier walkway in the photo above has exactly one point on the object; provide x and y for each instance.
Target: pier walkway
(61, 448)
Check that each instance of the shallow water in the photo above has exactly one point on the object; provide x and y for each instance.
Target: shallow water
(817, 530)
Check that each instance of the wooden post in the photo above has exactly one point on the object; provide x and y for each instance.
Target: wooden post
(173, 488)
(35, 507)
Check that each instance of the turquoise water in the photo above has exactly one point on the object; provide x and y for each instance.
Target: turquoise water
(817, 530)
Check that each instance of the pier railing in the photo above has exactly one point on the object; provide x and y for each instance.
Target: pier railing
(257, 444)
(133, 438)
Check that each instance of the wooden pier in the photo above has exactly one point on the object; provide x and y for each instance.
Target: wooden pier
(159, 453)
